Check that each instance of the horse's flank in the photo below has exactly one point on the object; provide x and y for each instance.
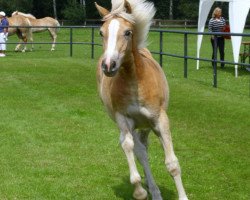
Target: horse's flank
(45, 23)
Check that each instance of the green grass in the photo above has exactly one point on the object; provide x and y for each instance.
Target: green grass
(57, 142)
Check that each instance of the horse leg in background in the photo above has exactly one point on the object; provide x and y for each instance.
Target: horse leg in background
(24, 44)
(19, 35)
(140, 149)
(53, 35)
(18, 45)
(171, 161)
(30, 36)
(126, 139)
(22, 36)
(27, 34)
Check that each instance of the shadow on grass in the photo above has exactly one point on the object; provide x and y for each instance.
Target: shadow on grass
(242, 71)
(230, 69)
(125, 191)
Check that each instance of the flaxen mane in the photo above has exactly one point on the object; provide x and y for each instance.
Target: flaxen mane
(142, 13)
(28, 15)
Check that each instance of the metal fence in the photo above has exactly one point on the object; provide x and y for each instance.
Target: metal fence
(161, 53)
(185, 56)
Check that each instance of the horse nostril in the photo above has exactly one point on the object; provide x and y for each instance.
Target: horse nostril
(104, 66)
(113, 65)
(109, 68)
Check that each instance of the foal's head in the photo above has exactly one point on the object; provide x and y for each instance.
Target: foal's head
(116, 33)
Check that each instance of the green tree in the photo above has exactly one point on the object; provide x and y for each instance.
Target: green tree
(166, 9)
(54, 9)
(43, 8)
(75, 12)
(91, 11)
(10, 6)
(188, 9)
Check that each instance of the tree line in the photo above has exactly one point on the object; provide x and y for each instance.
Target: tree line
(77, 11)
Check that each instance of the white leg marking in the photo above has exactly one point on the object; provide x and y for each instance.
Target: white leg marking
(53, 44)
(127, 144)
(170, 159)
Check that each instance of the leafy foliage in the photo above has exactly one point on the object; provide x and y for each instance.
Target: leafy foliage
(188, 9)
(9, 6)
(74, 12)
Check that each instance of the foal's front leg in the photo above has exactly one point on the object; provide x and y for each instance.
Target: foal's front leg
(127, 143)
(171, 161)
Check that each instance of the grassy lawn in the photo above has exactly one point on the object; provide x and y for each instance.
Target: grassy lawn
(57, 142)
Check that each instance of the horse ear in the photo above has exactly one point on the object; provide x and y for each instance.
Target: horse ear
(128, 7)
(102, 11)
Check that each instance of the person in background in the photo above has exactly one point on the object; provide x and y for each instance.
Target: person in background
(3, 33)
(217, 24)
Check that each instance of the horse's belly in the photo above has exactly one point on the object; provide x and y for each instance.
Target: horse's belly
(141, 116)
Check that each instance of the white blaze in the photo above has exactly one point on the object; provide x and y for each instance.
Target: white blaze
(113, 30)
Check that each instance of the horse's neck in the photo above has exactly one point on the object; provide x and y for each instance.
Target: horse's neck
(134, 61)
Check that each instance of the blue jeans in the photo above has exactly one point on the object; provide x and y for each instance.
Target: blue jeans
(220, 41)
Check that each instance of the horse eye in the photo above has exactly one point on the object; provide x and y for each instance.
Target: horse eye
(128, 33)
(101, 33)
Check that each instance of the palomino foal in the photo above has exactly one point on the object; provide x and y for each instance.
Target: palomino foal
(134, 90)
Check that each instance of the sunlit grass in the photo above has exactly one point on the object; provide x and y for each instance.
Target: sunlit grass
(57, 142)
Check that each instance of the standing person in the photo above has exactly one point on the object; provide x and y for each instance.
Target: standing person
(217, 24)
(3, 33)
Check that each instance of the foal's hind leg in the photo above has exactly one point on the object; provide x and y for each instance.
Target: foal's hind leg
(19, 35)
(171, 161)
(53, 35)
(127, 143)
(18, 46)
(140, 149)
(31, 40)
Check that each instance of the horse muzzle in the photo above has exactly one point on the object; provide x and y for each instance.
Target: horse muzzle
(109, 69)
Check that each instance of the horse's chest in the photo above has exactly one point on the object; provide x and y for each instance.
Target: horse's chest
(140, 114)
(127, 99)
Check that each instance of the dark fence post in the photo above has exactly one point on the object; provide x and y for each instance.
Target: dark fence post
(161, 47)
(215, 61)
(185, 55)
(71, 41)
(92, 42)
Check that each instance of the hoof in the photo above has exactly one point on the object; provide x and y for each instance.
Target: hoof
(140, 194)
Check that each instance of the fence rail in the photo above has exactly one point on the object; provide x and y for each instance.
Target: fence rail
(161, 53)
